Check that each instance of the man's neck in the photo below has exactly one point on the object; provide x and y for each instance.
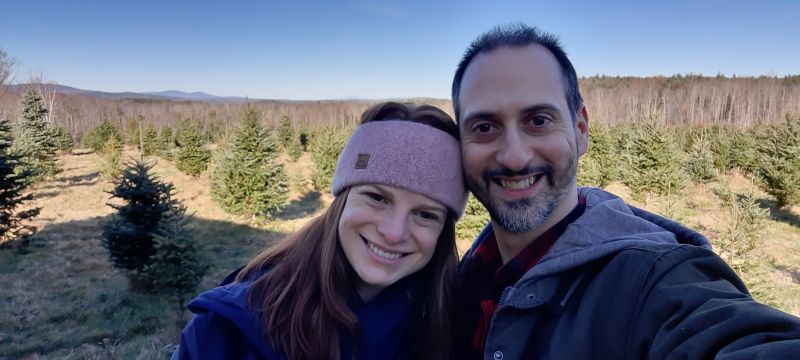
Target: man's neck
(510, 243)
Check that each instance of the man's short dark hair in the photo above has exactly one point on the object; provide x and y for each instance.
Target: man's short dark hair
(519, 35)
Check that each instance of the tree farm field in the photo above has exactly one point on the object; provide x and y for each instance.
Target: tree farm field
(62, 299)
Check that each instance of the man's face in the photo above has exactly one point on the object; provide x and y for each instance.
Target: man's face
(519, 144)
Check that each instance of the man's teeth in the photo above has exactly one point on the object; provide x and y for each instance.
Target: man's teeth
(517, 184)
(383, 254)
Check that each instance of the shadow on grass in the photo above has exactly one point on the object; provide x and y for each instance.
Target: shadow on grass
(779, 214)
(302, 207)
(62, 183)
(62, 298)
(45, 194)
(794, 273)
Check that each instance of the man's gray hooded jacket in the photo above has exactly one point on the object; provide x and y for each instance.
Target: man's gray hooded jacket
(622, 283)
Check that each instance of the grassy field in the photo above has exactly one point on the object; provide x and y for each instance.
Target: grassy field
(61, 298)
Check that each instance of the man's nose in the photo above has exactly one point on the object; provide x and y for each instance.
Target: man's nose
(514, 154)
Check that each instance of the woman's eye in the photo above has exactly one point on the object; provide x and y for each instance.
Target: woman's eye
(375, 197)
(428, 216)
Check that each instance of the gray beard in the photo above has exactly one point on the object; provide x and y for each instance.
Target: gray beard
(519, 216)
(526, 214)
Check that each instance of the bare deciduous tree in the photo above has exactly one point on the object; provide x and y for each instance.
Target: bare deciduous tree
(7, 67)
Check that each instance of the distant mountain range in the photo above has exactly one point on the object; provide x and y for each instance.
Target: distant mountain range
(154, 95)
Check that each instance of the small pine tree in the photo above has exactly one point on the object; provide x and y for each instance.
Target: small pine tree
(699, 162)
(12, 187)
(97, 137)
(651, 159)
(779, 169)
(473, 221)
(129, 236)
(303, 137)
(295, 149)
(285, 132)
(62, 138)
(112, 159)
(148, 144)
(720, 144)
(743, 150)
(742, 230)
(192, 157)
(35, 143)
(598, 167)
(248, 180)
(185, 126)
(327, 145)
(165, 143)
(178, 264)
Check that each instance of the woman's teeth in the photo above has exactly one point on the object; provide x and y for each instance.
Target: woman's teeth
(384, 254)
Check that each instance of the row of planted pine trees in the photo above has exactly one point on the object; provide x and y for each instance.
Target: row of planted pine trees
(148, 240)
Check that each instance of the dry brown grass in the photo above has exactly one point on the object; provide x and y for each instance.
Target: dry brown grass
(61, 297)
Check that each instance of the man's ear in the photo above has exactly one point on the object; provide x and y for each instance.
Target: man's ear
(582, 130)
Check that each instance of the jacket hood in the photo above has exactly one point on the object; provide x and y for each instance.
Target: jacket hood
(230, 301)
(607, 225)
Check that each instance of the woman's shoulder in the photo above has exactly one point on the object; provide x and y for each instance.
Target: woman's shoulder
(223, 324)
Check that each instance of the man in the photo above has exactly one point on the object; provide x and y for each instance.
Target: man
(563, 272)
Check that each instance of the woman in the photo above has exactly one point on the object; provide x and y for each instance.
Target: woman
(373, 276)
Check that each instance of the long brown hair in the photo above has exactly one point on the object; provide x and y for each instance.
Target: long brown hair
(301, 284)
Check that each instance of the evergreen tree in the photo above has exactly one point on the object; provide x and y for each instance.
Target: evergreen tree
(112, 159)
(12, 187)
(248, 180)
(598, 167)
(184, 127)
(779, 169)
(743, 150)
(97, 137)
(699, 162)
(285, 132)
(295, 148)
(720, 143)
(178, 264)
(192, 157)
(473, 221)
(742, 232)
(129, 236)
(34, 140)
(165, 143)
(327, 145)
(149, 141)
(62, 138)
(651, 160)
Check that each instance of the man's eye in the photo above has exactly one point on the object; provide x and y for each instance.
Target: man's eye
(539, 121)
(482, 128)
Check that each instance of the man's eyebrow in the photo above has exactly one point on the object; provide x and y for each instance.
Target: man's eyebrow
(541, 107)
(485, 115)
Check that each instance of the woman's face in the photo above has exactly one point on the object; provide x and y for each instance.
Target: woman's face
(387, 234)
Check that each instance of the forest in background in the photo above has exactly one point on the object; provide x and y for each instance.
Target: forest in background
(676, 100)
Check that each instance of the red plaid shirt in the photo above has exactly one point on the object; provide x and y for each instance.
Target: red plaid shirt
(485, 277)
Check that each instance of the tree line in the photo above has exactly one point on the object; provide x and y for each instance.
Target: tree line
(675, 100)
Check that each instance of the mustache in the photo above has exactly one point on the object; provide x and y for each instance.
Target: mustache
(526, 171)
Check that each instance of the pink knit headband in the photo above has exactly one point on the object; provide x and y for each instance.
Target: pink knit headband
(405, 154)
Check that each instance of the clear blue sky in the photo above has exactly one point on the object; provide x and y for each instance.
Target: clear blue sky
(376, 49)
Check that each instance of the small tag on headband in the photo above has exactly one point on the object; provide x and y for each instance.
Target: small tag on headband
(363, 160)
